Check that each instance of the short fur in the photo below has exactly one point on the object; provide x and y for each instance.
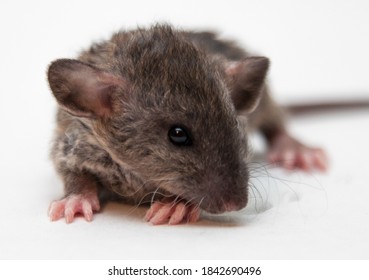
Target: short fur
(120, 98)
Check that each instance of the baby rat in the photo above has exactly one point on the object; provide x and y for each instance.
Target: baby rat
(155, 116)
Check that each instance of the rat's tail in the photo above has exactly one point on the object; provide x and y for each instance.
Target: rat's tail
(327, 107)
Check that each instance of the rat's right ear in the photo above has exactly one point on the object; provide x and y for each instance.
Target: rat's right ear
(246, 80)
(83, 90)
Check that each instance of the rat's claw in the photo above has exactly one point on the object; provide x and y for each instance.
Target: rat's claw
(173, 213)
(68, 207)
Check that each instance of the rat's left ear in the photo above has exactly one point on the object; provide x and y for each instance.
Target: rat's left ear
(82, 89)
(246, 80)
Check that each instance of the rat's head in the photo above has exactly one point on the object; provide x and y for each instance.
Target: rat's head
(168, 113)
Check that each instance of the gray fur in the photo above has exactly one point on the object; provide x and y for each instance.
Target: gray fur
(120, 98)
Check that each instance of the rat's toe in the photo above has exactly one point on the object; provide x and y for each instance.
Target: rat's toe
(172, 213)
(154, 208)
(87, 211)
(163, 214)
(68, 207)
(179, 214)
(56, 210)
(320, 160)
(310, 159)
(305, 161)
(288, 159)
(193, 214)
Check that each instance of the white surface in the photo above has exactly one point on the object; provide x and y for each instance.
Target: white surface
(318, 50)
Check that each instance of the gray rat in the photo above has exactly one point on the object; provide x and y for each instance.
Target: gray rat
(156, 116)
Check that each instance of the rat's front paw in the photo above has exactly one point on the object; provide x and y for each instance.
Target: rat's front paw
(291, 154)
(173, 213)
(73, 204)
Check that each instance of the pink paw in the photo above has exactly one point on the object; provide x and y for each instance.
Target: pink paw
(73, 204)
(291, 154)
(173, 213)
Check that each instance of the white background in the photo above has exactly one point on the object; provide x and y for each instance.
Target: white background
(319, 51)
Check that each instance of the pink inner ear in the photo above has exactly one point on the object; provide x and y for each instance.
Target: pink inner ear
(98, 93)
(233, 68)
(83, 90)
(246, 79)
(248, 73)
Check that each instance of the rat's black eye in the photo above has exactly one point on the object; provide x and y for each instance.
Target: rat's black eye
(179, 136)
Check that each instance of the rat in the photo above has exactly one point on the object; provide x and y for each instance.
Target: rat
(161, 116)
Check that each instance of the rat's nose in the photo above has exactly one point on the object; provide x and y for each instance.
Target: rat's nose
(230, 206)
(221, 205)
(233, 206)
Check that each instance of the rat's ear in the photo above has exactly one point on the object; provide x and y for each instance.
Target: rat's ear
(246, 80)
(82, 89)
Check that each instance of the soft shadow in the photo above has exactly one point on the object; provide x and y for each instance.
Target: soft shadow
(119, 210)
(221, 221)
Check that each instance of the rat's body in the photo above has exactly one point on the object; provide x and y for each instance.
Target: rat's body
(152, 116)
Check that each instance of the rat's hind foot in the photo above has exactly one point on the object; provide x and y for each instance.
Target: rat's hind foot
(173, 213)
(289, 153)
(73, 204)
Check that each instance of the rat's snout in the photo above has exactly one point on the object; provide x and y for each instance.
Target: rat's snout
(223, 196)
(221, 205)
(232, 206)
